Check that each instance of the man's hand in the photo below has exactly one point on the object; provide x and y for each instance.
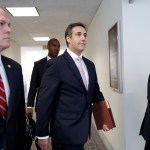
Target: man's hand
(29, 111)
(105, 128)
(43, 143)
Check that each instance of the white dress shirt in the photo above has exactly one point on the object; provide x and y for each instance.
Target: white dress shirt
(74, 57)
(48, 58)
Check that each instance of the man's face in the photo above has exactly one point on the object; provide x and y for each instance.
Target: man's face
(53, 48)
(5, 30)
(77, 41)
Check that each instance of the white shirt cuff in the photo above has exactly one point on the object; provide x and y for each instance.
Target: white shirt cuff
(44, 137)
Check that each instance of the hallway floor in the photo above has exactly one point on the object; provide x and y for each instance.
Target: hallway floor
(95, 143)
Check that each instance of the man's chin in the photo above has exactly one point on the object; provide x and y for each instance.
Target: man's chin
(5, 47)
(81, 50)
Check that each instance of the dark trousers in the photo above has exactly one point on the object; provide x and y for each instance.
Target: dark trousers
(58, 146)
(147, 145)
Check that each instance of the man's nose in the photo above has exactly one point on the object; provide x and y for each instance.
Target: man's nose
(8, 28)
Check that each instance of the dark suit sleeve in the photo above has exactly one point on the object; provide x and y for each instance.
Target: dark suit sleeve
(97, 94)
(22, 120)
(145, 128)
(34, 85)
(45, 102)
(17, 123)
(148, 88)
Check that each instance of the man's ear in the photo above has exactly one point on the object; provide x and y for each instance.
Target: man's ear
(68, 39)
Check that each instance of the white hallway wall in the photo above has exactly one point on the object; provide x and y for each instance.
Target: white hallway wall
(136, 31)
(109, 12)
(129, 107)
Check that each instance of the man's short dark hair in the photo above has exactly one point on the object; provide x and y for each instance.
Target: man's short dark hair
(51, 40)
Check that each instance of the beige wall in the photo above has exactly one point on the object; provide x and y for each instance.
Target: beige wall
(128, 107)
(13, 52)
(97, 49)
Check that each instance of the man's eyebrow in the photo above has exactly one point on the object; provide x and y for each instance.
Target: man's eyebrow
(77, 32)
(5, 20)
(80, 32)
(1, 20)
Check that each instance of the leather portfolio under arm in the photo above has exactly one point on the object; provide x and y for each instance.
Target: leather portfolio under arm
(103, 115)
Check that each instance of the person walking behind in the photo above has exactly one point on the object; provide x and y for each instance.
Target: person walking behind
(53, 47)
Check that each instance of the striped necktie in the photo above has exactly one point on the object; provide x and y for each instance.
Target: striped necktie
(3, 102)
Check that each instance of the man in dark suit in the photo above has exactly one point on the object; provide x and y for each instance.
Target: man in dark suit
(145, 128)
(65, 97)
(13, 124)
(53, 47)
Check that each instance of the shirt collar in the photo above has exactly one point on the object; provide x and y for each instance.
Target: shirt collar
(73, 55)
(0, 60)
(48, 58)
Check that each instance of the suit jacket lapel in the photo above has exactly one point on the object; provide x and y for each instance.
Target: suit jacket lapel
(73, 67)
(9, 74)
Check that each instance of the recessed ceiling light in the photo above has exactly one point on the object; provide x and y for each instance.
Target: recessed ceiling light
(23, 11)
(41, 38)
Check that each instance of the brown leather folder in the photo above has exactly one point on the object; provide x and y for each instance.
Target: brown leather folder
(103, 115)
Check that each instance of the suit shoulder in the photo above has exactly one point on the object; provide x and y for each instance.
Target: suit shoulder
(56, 59)
(87, 60)
(10, 61)
(41, 60)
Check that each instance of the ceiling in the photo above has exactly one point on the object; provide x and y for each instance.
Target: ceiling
(55, 16)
